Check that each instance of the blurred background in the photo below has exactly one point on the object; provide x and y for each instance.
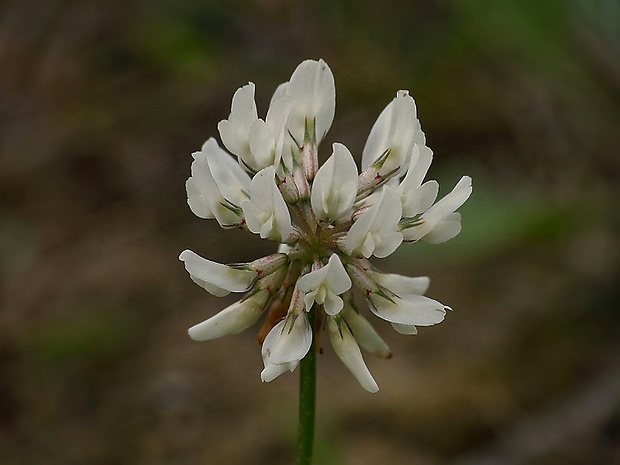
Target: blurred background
(101, 105)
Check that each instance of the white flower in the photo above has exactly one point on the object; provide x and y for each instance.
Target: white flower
(218, 279)
(266, 212)
(235, 131)
(335, 186)
(217, 186)
(440, 222)
(375, 232)
(348, 351)
(312, 89)
(409, 310)
(233, 319)
(403, 287)
(397, 298)
(286, 344)
(341, 218)
(393, 135)
(267, 138)
(324, 285)
(258, 143)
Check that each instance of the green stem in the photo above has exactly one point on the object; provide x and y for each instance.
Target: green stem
(307, 401)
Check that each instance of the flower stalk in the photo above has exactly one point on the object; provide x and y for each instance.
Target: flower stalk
(307, 402)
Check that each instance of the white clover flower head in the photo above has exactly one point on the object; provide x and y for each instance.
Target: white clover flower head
(341, 218)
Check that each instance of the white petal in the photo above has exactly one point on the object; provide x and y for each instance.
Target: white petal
(387, 236)
(204, 196)
(359, 240)
(448, 228)
(197, 200)
(337, 278)
(366, 336)
(333, 275)
(325, 284)
(311, 281)
(335, 186)
(282, 216)
(277, 115)
(333, 304)
(267, 229)
(232, 181)
(279, 92)
(312, 87)
(262, 146)
(348, 351)
(216, 278)
(216, 181)
(440, 211)
(401, 285)
(421, 160)
(254, 216)
(375, 232)
(407, 330)
(453, 200)
(266, 212)
(415, 196)
(389, 210)
(412, 310)
(234, 131)
(266, 138)
(272, 371)
(368, 247)
(288, 342)
(389, 243)
(426, 195)
(309, 299)
(232, 320)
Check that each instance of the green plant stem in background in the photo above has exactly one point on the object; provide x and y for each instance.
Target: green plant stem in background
(307, 401)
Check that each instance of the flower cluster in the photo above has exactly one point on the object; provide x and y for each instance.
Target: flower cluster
(342, 218)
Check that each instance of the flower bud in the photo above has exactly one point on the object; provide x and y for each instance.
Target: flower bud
(361, 279)
(266, 265)
(301, 182)
(310, 156)
(289, 189)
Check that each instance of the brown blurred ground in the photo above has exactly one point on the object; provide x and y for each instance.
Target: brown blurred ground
(101, 104)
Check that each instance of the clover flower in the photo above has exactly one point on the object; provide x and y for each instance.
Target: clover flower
(341, 218)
